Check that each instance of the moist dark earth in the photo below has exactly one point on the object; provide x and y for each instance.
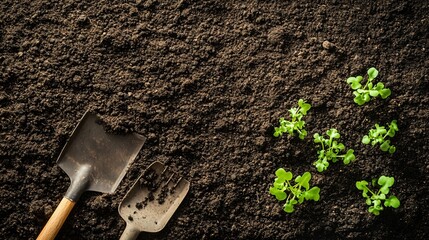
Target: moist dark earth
(206, 82)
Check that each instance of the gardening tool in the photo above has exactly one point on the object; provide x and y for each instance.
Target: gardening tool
(94, 161)
(152, 200)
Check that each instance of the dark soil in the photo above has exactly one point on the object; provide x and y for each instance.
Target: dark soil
(205, 82)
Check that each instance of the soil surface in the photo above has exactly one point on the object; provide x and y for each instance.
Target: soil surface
(206, 82)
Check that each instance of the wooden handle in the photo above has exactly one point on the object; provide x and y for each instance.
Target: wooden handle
(57, 220)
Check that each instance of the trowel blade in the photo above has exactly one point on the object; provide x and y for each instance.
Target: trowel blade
(107, 156)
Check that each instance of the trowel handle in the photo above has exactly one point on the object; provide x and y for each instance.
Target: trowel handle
(57, 220)
(129, 233)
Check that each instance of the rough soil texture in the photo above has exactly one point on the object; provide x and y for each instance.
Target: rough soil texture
(205, 82)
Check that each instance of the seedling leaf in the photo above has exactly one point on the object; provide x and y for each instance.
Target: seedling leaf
(359, 100)
(281, 173)
(392, 201)
(361, 185)
(288, 207)
(376, 198)
(373, 93)
(379, 134)
(304, 180)
(392, 149)
(384, 93)
(280, 195)
(349, 157)
(351, 80)
(366, 139)
(293, 194)
(330, 150)
(304, 107)
(364, 92)
(372, 73)
(333, 133)
(393, 125)
(385, 146)
(312, 194)
(296, 124)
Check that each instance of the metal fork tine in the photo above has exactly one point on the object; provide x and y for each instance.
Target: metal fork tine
(164, 171)
(171, 177)
(177, 183)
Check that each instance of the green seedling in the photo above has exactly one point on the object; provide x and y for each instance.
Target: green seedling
(296, 124)
(296, 193)
(330, 150)
(363, 93)
(377, 198)
(378, 136)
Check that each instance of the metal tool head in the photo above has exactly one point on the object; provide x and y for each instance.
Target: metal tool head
(95, 160)
(153, 199)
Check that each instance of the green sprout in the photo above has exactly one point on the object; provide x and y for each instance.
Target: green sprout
(296, 124)
(379, 134)
(330, 150)
(376, 199)
(296, 193)
(363, 93)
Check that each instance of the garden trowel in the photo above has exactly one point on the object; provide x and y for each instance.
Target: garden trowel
(94, 161)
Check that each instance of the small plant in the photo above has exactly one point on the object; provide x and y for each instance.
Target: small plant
(296, 193)
(378, 136)
(296, 123)
(330, 150)
(376, 199)
(364, 93)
